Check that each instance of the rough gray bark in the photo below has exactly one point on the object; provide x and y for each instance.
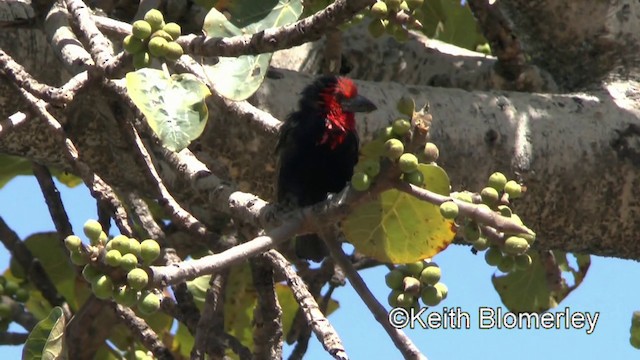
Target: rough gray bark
(575, 152)
(579, 43)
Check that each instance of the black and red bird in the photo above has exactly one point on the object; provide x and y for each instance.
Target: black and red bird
(318, 148)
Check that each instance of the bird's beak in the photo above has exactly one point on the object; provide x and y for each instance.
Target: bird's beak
(358, 104)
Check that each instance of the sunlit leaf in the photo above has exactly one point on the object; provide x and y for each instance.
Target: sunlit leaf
(238, 78)
(398, 228)
(174, 106)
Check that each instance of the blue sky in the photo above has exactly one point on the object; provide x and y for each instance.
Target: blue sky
(610, 288)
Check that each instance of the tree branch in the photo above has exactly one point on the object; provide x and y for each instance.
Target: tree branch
(12, 122)
(54, 202)
(270, 40)
(325, 333)
(18, 75)
(13, 338)
(99, 45)
(469, 210)
(267, 315)
(32, 266)
(141, 330)
(401, 341)
(186, 270)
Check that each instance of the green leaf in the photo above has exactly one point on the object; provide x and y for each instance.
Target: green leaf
(398, 228)
(532, 290)
(449, 21)
(183, 341)
(12, 166)
(217, 25)
(198, 289)
(104, 353)
(240, 299)
(246, 13)
(238, 78)
(46, 340)
(174, 106)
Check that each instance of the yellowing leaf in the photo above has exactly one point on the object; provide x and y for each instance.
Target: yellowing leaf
(174, 106)
(398, 228)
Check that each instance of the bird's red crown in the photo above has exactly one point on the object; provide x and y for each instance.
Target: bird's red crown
(338, 121)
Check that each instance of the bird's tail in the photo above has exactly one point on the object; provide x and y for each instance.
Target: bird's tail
(311, 247)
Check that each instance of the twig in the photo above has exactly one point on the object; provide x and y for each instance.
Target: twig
(402, 18)
(141, 330)
(470, 210)
(186, 306)
(267, 315)
(53, 201)
(552, 272)
(325, 333)
(209, 322)
(177, 213)
(186, 270)
(145, 218)
(108, 198)
(98, 188)
(332, 52)
(57, 212)
(64, 42)
(258, 212)
(112, 25)
(89, 328)
(104, 218)
(236, 346)
(401, 341)
(493, 235)
(303, 339)
(512, 62)
(19, 313)
(99, 45)
(300, 331)
(308, 29)
(18, 75)
(13, 338)
(170, 307)
(241, 110)
(32, 266)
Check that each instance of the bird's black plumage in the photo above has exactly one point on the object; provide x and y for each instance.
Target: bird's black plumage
(318, 149)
